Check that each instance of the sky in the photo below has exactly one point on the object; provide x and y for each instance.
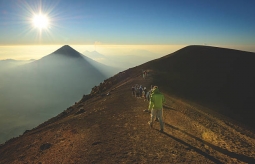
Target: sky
(228, 23)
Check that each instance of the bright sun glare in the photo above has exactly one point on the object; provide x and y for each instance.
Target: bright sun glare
(40, 21)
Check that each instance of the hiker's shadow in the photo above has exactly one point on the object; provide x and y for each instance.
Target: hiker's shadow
(240, 157)
(167, 107)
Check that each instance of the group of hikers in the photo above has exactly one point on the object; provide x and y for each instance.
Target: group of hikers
(140, 92)
(156, 100)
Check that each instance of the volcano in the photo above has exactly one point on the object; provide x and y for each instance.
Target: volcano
(109, 125)
(38, 90)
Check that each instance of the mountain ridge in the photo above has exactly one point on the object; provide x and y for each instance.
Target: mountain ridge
(39, 90)
(208, 75)
(109, 126)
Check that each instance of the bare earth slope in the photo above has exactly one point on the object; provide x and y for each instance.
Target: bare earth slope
(109, 125)
(113, 128)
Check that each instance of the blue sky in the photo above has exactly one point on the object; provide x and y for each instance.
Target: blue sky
(129, 22)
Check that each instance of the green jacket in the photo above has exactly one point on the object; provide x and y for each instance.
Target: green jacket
(157, 100)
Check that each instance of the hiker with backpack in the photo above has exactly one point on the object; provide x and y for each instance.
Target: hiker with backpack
(156, 107)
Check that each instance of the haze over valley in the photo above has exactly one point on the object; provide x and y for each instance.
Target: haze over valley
(33, 91)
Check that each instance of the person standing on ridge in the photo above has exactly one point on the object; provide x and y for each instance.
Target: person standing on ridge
(156, 107)
(140, 91)
(145, 92)
(133, 90)
(145, 74)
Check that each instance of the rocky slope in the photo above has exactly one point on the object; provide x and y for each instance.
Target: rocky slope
(109, 126)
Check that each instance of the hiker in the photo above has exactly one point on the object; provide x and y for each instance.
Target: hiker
(156, 107)
(133, 90)
(144, 93)
(136, 90)
(148, 95)
(141, 90)
(145, 74)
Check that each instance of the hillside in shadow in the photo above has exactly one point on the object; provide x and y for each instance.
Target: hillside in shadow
(215, 77)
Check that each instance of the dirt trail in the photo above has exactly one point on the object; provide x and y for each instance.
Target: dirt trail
(114, 129)
(208, 135)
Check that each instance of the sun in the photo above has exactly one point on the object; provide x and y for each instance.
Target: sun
(40, 21)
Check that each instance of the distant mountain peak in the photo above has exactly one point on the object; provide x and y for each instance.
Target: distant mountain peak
(93, 54)
(67, 51)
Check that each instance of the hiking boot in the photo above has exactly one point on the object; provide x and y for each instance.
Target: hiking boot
(146, 110)
(150, 124)
(161, 130)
